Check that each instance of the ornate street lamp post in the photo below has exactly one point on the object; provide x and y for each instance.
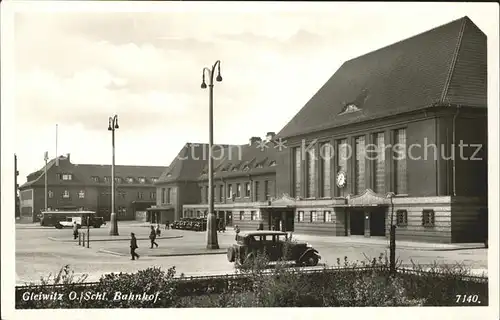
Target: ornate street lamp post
(113, 125)
(212, 242)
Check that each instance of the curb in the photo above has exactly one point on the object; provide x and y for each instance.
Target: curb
(163, 255)
(103, 240)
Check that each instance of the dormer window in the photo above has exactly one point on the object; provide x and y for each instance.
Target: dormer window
(350, 107)
(272, 164)
(107, 179)
(234, 169)
(154, 179)
(95, 179)
(169, 175)
(224, 169)
(66, 176)
(142, 179)
(130, 180)
(118, 180)
(246, 168)
(259, 165)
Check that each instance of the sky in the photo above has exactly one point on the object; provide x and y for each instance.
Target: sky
(76, 69)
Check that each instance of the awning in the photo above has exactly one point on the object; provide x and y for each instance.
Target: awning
(161, 208)
(367, 199)
(359, 205)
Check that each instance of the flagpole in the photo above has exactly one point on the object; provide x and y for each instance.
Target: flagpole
(46, 157)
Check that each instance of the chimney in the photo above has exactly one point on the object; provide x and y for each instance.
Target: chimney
(270, 136)
(254, 140)
(68, 156)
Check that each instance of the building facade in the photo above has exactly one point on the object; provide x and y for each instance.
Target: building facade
(88, 187)
(178, 185)
(398, 135)
(244, 180)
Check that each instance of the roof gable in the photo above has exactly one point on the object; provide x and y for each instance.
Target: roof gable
(418, 72)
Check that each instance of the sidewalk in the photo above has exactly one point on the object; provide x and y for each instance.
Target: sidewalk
(382, 241)
(164, 251)
(110, 238)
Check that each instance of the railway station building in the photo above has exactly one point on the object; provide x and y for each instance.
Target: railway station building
(398, 134)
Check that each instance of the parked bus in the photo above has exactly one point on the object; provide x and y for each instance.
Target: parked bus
(66, 218)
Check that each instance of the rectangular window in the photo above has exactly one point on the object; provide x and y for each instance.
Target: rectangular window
(242, 215)
(140, 195)
(65, 194)
(379, 163)
(247, 189)
(428, 218)
(266, 189)
(314, 216)
(221, 193)
(327, 216)
(163, 195)
(81, 194)
(168, 195)
(325, 158)
(401, 218)
(66, 176)
(342, 155)
(253, 215)
(256, 190)
(300, 216)
(311, 173)
(152, 195)
(51, 194)
(400, 172)
(359, 168)
(297, 173)
(229, 191)
(238, 190)
(142, 179)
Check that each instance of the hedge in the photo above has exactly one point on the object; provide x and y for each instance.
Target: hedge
(349, 284)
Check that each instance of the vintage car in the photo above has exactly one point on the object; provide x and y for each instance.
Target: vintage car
(272, 244)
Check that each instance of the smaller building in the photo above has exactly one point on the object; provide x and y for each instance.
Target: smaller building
(178, 185)
(88, 187)
(244, 182)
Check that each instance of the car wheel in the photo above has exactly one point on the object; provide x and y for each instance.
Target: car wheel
(230, 255)
(312, 260)
(58, 226)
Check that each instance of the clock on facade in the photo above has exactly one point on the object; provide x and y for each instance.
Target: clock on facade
(341, 179)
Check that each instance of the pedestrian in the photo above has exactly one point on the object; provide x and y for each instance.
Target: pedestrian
(158, 231)
(133, 246)
(75, 231)
(236, 230)
(167, 225)
(152, 237)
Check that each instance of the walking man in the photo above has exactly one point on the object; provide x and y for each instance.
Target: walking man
(152, 237)
(75, 230)
(133, 246)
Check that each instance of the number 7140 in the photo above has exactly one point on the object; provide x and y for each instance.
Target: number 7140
(470, 298)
